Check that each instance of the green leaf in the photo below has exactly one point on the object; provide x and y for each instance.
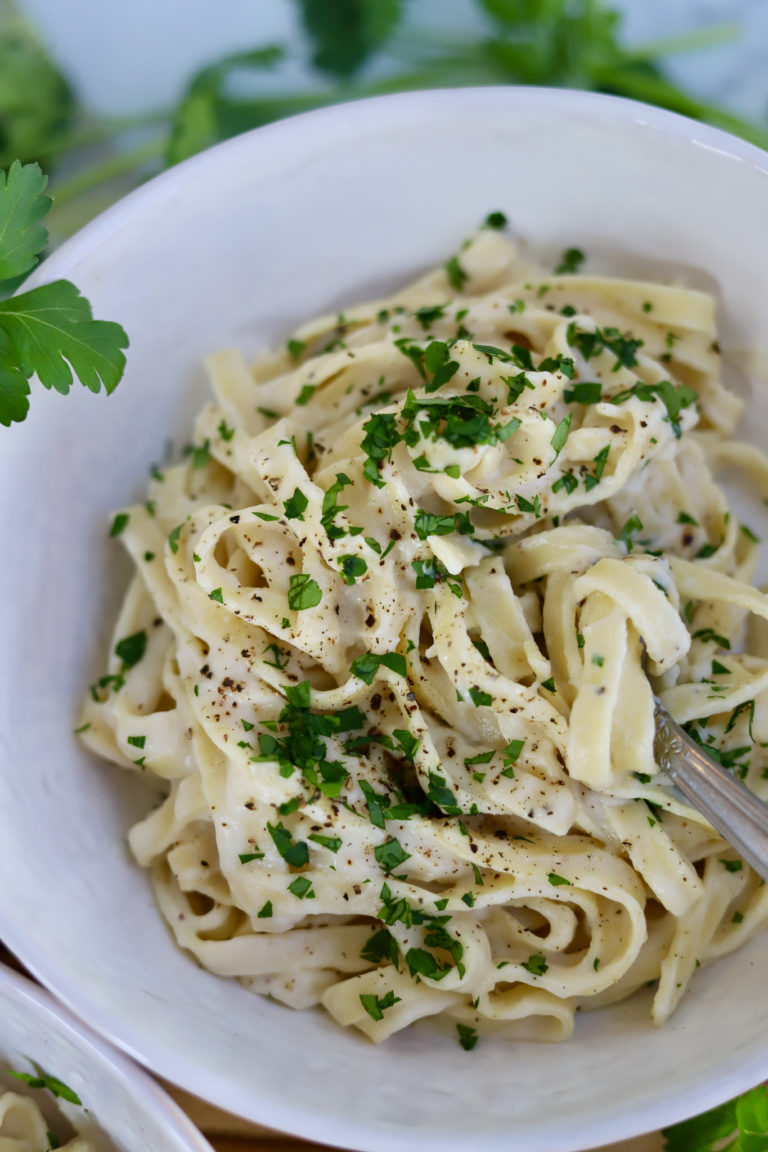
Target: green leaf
(42, 1079)
(208, 112)
(131, 649)
(14, 386)
(52, 333)
(303, 592)
(391, 855)
(467, 1036)
(22, 207)
(295, 854)
(344, 33)
(36, 102)
(536, 965)
(376, 1006)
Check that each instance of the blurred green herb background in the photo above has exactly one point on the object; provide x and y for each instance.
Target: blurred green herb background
(356, 48)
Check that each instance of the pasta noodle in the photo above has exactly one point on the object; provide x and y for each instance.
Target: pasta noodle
(23, 1128)
(386, 648)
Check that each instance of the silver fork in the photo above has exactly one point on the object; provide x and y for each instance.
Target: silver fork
(730, 807)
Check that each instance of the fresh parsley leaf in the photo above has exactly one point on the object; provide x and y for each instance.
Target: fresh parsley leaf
(584, 392)
(302, 887)
(352, 567)
(366, 666)
(376, 1006)
(629, 529)
(570, 261)
(556, 880)
(344, 33)
(295, 506)
(455, 273)
(131, 649)
(467, 1036)
(119, 524)
(23, 205)
(42, 1079)
(744, 1120)
(296, 854)
(332, 843)
(391, 855)
(561, 434)
(536, 965)
(50, 332)
(303, 592)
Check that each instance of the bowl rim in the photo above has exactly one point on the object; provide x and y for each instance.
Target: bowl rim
(390, 109)
(135, 1080)
(597, 105)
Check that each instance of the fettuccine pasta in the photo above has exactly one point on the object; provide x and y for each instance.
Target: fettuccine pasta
(392, 644)
(23, 1128)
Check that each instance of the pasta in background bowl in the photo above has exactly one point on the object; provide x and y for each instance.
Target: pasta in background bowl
(237, 248)
(59, 1082)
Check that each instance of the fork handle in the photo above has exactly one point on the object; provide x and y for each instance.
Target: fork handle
(737, 814)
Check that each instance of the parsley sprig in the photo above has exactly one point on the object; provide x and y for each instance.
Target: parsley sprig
(739, 1125)
(48, 331)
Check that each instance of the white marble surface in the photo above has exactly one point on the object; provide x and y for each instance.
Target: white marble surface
(127, 57)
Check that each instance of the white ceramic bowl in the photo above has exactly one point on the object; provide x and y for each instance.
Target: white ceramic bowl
(123, 1109)
(235, 247)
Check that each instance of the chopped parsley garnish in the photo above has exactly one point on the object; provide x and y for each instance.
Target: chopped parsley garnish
(246, 857)
(431, 572)
(429, 314)
(747, 706)
(456, 274)
(376, 1006)
(381, 436)
(674, 397)
(556, 881)
(594, 343)
(303, 592)
(430, 524)
(352, 567)
(467, 1036)
(592, 479)
(570, 261)
(216, 595)
(131, 649)
(629, 529)
(495, 220)
(295, 348)
(306, 394)
(265, 912)
(296, 505)
(294, 853)
(302, 887)
(391, 855)
(201, 454)
(41, 1079)
(365, 667)
(381, 946)
(440, 795)
(561, 434)
(173, 538)
(480, 698)
(332, 843)
(584, 392)
(119, 524)
(732, 865)
(511, 753)
(536, 965)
